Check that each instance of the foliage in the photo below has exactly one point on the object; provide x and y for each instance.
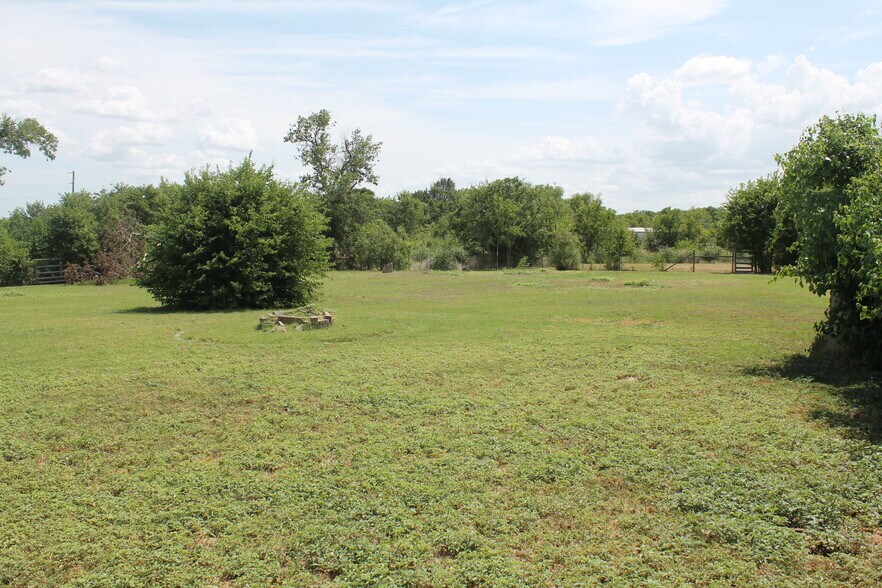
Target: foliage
(830, 189)
(72, 228)
(590, 222)
(668, 228)
(638, 218)
(618, 242)
(13, 260)
(377, 244)
(406, 213)
(142, 203)
(489, 216)
(347, 215)
(441, 199)
(673, 226)
(542, 216)
(236, 238)
(122, 249)
(17, 136)
(445, 253)
(510, 215)
(566, 253)
(29, 225)
(336, 169)
(750, 221)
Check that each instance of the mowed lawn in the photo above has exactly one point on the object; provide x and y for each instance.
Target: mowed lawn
(513, 428)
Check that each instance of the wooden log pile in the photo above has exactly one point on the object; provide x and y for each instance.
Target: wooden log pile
(281, 320)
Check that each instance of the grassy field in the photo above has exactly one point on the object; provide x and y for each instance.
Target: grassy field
(453, 429)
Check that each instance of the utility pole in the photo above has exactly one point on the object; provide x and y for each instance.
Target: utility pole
(73, 182)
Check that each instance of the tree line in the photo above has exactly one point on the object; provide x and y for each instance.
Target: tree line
(500, 223)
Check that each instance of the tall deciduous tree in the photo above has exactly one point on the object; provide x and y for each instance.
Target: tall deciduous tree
(17, 137)
(336, 170)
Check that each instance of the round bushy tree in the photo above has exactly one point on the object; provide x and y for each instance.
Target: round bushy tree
(235, 238)
(566, 253)
(830, 188)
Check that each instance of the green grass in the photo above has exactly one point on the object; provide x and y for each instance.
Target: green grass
(515, 428)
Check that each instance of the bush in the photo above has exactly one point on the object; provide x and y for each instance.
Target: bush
(446, 253)
(377, 244)
(14, 263)
(122, 249)
(566, 253)
(236, 238)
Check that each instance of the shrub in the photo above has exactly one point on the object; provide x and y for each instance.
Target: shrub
(122, 249)
(446, 253)
(14, 263)
(235, 238)
(566, 253)
(377, 244)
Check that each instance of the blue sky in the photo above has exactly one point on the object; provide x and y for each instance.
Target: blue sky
(648, 103)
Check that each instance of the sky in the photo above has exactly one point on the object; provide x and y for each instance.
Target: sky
(648, 103)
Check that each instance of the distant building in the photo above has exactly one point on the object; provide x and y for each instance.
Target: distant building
(641, 233)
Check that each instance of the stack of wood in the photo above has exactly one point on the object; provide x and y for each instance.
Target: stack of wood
(281, 319)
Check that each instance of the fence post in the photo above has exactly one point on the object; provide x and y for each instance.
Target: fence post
(693, 261)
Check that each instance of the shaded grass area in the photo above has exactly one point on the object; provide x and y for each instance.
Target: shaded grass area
(452, 429)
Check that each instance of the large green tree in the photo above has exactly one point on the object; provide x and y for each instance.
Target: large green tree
(18, 136)
(750, 222)
(236, 238)
(489, 217)
(831, 187)
(591, 223)
(543, 215)
(73, 233)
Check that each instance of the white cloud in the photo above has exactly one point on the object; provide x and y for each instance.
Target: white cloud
(108, 64)
(125, 102)
(578, 90)
(125, 144)
(60, 80)
(236, 134)
(556, 149)
(807, 92)
(25, 108)
(480, 170)
(712, 69)
(623, 22)
(601, 22)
